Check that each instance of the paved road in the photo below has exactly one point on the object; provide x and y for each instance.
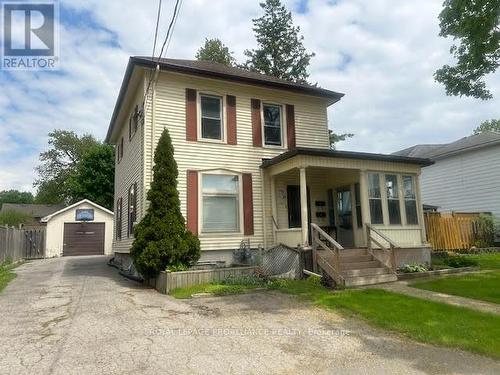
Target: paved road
(78, 316)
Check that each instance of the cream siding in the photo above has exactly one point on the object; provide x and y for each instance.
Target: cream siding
(55, 229)
(468, 181)
(128, 171)
(170, 112)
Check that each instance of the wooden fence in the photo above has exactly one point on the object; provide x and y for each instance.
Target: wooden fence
(16, 243)
(451, 231)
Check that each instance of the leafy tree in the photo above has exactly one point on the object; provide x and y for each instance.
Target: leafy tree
(491, 125)
(66, 149)
(14, 218)
(280, 51)
(161, 238)
(93, 176)
(334, 138)
(15, 196)
(214, 50)
(476, 27)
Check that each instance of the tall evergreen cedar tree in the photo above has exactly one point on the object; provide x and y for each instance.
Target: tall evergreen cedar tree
(161, 238)
(475, 29)
(214, 50)
(280, 51)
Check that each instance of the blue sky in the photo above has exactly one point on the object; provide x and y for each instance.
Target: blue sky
(381, 53)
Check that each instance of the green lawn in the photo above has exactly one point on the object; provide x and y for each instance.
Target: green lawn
(421, 320)
(488, 261)
(481, 286)
(6, 275)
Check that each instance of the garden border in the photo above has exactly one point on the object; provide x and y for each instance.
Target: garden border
(446, 271)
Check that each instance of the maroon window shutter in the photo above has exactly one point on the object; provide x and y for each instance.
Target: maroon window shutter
(290, 126)
(256, 123)
(191, 128)
(192, 201)
(231, 120)
(247, 204)
(121, 148)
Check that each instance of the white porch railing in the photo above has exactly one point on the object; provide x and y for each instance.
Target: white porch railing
(389, 260)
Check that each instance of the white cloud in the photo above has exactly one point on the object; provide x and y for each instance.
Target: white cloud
(391, 48)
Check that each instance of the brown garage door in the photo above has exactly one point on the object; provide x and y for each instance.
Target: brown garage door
(83, 239)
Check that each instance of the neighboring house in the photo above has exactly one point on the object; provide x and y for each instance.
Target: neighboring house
(35, 211)
(254, 164)
(83, 228)
(465, 176)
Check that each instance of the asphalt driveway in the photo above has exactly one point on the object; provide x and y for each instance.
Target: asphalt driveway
(78, 316)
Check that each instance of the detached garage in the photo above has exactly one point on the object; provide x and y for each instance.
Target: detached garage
(84, 228)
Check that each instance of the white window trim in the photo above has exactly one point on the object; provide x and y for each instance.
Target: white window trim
(223, 117)
(402, 207)
(221, 172)
(403, 200)
(283, 145)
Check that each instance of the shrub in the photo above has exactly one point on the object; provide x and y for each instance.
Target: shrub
(161, 238)
(485, 236)
(458, 261)
(414, 267)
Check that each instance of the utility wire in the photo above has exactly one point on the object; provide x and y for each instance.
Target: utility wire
(165, 42)
(154, 46)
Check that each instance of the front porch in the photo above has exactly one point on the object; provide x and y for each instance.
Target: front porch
(355, 200)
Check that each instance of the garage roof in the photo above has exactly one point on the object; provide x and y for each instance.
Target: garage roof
(47, 218)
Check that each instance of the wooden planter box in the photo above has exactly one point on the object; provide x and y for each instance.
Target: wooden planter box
(167, 280)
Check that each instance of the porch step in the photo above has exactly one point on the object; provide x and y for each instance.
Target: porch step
(369, 280)
(355, 258)
(353, 252)
(366, 272)
(359, 265)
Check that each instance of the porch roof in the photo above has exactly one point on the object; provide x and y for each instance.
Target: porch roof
(344, 155)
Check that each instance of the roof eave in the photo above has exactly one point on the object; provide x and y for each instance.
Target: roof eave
(345, 154)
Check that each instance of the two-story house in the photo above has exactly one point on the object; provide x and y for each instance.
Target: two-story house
(255, 164)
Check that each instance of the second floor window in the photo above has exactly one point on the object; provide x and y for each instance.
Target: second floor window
(272, 124)
(211, 117)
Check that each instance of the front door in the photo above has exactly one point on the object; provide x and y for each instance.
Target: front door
(344, 217)
(294, 210)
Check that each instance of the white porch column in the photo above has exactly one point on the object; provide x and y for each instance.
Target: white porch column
(365, 205)
(274, 210)
(303, 206)
(420, 209)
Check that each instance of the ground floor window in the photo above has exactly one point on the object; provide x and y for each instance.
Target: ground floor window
(375, 198)
(392, 193)
(220, 203)
(410, 200)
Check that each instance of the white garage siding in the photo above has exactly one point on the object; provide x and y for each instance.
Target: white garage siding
(55, 228)
(467, 182)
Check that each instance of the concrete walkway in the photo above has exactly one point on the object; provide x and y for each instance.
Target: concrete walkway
(403, 287)
(78, 316)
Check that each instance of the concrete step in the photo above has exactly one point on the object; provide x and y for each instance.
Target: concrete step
(359, 265)
(353, 252)
(355, 258)
(366, 272)
(369, 280)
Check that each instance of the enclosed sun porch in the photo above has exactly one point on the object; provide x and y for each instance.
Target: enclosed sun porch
(349, 196)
